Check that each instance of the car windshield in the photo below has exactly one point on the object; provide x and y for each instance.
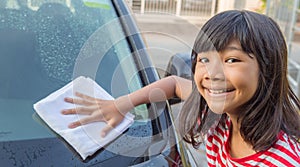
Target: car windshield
(45, 44)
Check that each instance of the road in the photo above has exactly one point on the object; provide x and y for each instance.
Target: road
(165, 36)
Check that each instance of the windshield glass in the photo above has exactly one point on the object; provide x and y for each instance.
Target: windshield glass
(45, 44)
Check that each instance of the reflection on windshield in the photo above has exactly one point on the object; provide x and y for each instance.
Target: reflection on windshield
(49, 38)
(45, 44)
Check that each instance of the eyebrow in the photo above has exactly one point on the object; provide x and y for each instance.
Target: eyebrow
(238, 49)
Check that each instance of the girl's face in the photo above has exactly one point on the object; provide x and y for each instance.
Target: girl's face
(226, 79)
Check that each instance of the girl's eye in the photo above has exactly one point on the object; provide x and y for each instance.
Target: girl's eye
(232, 60)
(203, 60)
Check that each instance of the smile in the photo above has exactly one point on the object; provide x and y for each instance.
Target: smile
(219, 91)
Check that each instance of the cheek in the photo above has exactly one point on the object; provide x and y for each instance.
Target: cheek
(198, 76)
(254, 84)
(244, 80)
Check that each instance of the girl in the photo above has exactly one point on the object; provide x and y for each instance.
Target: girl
(240, 102)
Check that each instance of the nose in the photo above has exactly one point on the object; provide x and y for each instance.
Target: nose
(214, 70)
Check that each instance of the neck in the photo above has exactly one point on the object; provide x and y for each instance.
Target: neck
(235, 125)
(238, 146)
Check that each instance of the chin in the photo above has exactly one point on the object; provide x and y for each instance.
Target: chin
(217, 110)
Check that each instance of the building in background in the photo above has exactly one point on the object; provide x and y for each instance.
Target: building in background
(193, 8)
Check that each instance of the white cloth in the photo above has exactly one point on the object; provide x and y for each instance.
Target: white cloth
(85, 139)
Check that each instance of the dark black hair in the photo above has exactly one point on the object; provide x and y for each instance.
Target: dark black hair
(274, 107)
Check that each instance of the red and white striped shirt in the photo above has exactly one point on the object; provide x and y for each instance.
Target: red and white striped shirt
(285, 152)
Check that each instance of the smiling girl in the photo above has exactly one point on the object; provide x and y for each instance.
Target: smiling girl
(239, 102)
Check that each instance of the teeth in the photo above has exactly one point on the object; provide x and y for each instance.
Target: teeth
(219, 91)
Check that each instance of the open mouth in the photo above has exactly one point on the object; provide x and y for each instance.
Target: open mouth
(220, 91)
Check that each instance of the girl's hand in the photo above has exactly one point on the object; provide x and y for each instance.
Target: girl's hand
(97, 109)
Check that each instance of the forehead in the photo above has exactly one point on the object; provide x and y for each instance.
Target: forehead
(233, 45)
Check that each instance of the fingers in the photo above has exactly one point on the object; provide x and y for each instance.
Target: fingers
(80, 110)
(110, 125)
(83, 121)
(106, 130)
(82, 100)
(96, 109)
(74, 124)
(84, 96)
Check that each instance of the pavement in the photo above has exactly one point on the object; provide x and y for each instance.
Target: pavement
(166, 35)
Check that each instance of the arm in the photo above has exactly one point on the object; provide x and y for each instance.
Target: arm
(162, 90)
(113, 111)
